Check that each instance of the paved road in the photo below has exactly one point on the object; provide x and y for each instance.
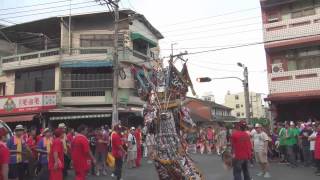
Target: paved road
(213, 170)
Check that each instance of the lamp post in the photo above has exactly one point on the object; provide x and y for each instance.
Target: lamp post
(245, 84)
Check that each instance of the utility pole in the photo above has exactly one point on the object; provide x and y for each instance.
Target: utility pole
(115, 114)
(246, 93)
(115, 6)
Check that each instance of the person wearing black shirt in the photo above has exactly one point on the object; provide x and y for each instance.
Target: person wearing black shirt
(305, 145)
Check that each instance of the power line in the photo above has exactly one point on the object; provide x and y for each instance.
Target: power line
(220, 35)
(34, 5)
(206, 25)
(209, 17)
(82, 7)
(244, 25)
(18, 12)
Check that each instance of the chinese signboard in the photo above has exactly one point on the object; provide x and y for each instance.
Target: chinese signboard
(27, 103)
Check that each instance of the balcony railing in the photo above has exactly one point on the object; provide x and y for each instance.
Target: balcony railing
(294, 81)
(57, 55)
(292, 28)
(33, 55)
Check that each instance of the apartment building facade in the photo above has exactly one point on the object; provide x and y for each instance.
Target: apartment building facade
(72, 62)
(237, 103)
(292, 46)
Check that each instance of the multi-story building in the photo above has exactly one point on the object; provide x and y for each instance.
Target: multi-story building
(208, 96)
(292, 46)
(237, 103)
(72, 61)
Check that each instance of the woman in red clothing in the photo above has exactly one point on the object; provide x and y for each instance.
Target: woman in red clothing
(4, 155)
(317, 150)
(81, 154)
(138, 137)
(56, 159)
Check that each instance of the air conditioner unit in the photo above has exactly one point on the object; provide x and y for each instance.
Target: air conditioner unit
(276, 68)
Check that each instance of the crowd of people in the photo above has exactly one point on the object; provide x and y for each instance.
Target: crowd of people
(53, 152)
(295, 144)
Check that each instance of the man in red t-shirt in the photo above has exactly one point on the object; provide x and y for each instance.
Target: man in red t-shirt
(81, 154)
(4, 154)
(56, 156)
(241, 146)
(117, 151)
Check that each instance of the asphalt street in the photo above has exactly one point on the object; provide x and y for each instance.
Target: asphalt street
(212, 168)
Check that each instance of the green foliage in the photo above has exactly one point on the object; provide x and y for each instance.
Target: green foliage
(263, 121)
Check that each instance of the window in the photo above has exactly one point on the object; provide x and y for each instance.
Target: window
(238, 114)
(241, 105)
(96, 40)
(86, 81)
(140, 46)
(35, 80)
(2, 89)
(303, 8)
(237, 106)
(236, 97)
(242, 114)
(303, 58)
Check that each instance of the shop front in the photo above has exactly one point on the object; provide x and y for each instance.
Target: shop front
(94, 116)
(27, 109)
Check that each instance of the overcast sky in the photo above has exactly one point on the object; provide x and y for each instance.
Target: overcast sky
(193, 25)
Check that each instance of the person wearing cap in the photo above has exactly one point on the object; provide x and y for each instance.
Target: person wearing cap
(81, 154)
(56, 159)
(242, 153)
(4, 154)
(260, 146)
(132, 148)
(43, 148)
(18, 148)
(118, 151)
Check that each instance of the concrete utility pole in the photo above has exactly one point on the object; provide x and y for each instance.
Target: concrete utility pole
(246, 93)
(115, 5)
(245, 83)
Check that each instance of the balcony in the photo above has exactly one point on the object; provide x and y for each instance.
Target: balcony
(54, 56)
(292, 28)
(38, 58)
(294, 81)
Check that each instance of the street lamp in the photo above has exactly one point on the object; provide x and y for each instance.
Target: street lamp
(245, 84)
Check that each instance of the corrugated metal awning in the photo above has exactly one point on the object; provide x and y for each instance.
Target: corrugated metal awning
(78, 117)
(86, 64)
(19, 118)
(136, 35)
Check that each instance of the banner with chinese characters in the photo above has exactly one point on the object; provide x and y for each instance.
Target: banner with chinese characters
(34, 102)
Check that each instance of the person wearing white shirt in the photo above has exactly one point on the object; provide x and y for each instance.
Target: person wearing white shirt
(132, 149)
(260, 141)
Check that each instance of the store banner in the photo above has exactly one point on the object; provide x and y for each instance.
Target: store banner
(34, 102)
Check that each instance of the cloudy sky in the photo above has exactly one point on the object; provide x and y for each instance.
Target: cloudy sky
(194, 26)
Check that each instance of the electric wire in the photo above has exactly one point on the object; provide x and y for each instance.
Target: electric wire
(34, 5)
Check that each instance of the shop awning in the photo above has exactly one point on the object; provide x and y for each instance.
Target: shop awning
(135, 36)
(20, 118)
(86, 64)
(78, 117)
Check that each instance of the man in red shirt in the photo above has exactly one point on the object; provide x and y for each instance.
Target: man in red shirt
(117, 151)
(4, 155)
(81, 154)
(241, 146)
(56, 156)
